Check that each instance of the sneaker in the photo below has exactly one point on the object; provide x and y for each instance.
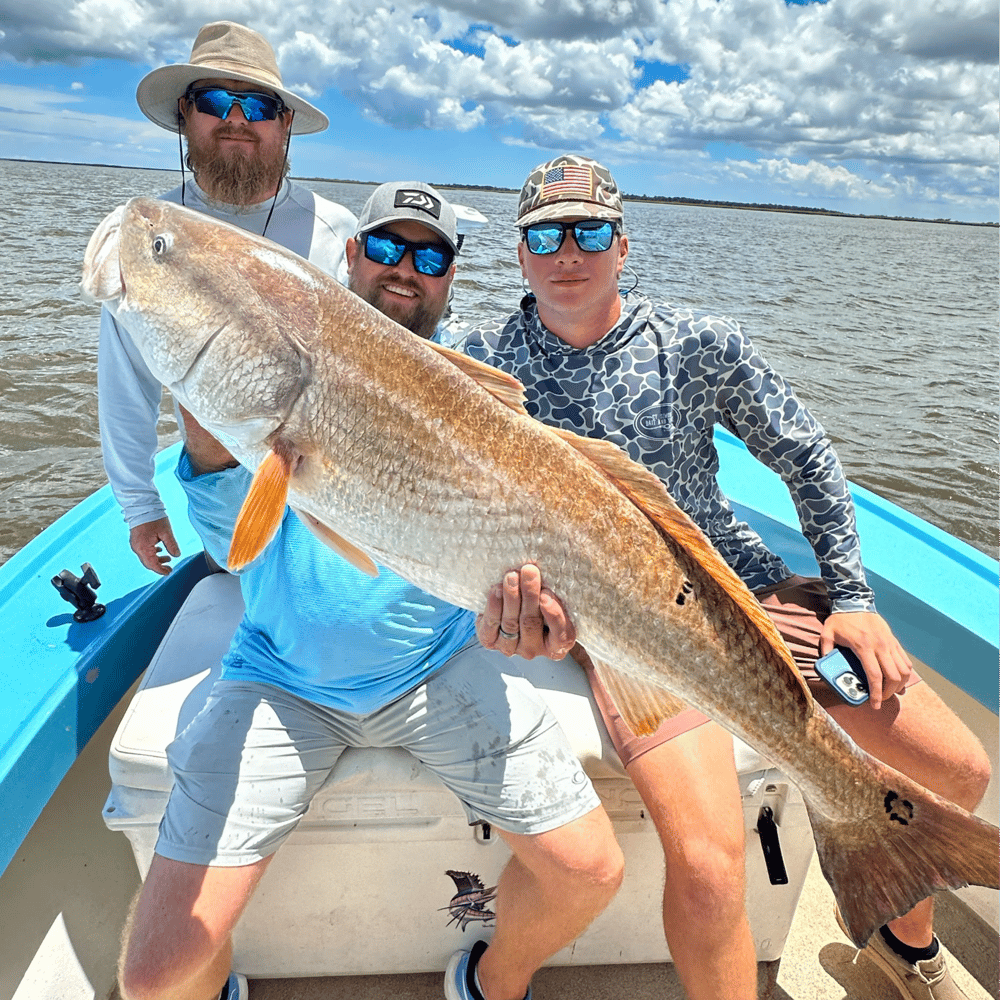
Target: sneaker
(460, 976)
(236, 988)
(926, 980)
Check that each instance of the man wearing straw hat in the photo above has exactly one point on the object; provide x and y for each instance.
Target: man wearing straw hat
(228, 102)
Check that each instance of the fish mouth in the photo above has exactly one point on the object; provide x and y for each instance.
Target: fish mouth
(102, 279)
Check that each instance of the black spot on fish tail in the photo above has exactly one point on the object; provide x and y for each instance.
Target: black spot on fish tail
(898, 810)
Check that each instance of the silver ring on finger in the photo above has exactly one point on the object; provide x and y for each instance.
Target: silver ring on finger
(508, 635)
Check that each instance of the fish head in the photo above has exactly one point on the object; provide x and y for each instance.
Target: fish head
(209, 306)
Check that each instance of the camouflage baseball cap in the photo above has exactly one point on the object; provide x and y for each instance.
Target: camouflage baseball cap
(569, 187)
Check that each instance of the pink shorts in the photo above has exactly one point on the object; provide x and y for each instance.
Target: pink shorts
(798, 607)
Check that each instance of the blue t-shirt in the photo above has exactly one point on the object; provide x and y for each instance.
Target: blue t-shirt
(314, 625)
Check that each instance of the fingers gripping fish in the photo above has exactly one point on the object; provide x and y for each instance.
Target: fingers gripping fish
(403, 454)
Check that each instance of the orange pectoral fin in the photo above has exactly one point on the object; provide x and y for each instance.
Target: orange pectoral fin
(262, 511)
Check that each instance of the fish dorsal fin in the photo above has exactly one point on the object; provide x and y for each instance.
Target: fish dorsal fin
(498, 383)
(358, 559)
(648, 493)
(643, 706)
(262, 511)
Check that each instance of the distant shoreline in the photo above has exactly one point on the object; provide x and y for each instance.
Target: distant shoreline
(638, 198)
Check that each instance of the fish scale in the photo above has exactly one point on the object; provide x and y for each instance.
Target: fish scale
(424, 461)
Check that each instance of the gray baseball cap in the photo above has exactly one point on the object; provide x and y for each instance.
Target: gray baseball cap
(410, 200)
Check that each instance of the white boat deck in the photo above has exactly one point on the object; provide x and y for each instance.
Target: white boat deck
(64, 897)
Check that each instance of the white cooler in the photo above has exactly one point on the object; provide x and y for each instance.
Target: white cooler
(370, 861)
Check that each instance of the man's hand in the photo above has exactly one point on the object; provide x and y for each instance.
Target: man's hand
(886, 664)
(145, 540)
(525, 619)
(204, 451)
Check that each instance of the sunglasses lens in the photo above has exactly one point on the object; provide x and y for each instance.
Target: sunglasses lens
(218, 102)
(383, 249)
(258, 107)
(213, 102)
(432, 261)
(546, 237)
(593, 238)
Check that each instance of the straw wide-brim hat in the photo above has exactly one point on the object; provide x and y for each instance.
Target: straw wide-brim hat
(229, 51)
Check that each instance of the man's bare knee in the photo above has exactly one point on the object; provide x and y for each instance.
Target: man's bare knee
(974, 776)
(177, 941)
(603, 872)
(581, 854)
(596, 856)
(707, 876)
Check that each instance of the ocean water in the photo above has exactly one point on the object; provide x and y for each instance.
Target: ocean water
(888, 330)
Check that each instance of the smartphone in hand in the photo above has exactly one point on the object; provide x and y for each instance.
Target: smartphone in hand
(842, 670)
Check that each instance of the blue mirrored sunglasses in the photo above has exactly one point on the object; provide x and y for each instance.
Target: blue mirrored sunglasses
(219, 102)
(432, 259)
(591, 235)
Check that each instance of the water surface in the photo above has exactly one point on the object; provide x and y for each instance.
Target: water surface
(888, 330)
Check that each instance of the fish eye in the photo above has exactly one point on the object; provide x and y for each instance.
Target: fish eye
(162, 243)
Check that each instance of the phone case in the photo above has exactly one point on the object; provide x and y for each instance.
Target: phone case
(847, 678)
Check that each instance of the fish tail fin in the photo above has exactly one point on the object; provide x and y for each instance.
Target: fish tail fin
(881, 866)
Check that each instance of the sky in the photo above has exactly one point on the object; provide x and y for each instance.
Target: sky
(885, 107)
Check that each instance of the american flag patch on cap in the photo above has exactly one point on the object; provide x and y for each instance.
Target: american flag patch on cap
(568, 180)
(570, 186)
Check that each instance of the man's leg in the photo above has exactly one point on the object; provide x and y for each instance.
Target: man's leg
(690, 787)
(555, 884)
(494, 742)
(177, 943)
(686, 776)
(917, 734)
(245, 771)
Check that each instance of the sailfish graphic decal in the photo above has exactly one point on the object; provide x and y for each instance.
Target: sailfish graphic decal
(468, 905)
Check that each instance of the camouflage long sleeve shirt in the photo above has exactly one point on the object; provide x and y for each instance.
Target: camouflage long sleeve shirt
(656, 384)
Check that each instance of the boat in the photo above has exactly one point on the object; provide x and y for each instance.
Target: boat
(83, 620)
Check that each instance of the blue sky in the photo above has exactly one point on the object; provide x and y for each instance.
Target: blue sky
(867, 106)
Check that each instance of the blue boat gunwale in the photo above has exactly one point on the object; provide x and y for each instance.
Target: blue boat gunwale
(62, 679)
(66, 677)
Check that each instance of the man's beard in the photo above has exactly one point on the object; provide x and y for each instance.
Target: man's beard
(234, 175)
(422, 320)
